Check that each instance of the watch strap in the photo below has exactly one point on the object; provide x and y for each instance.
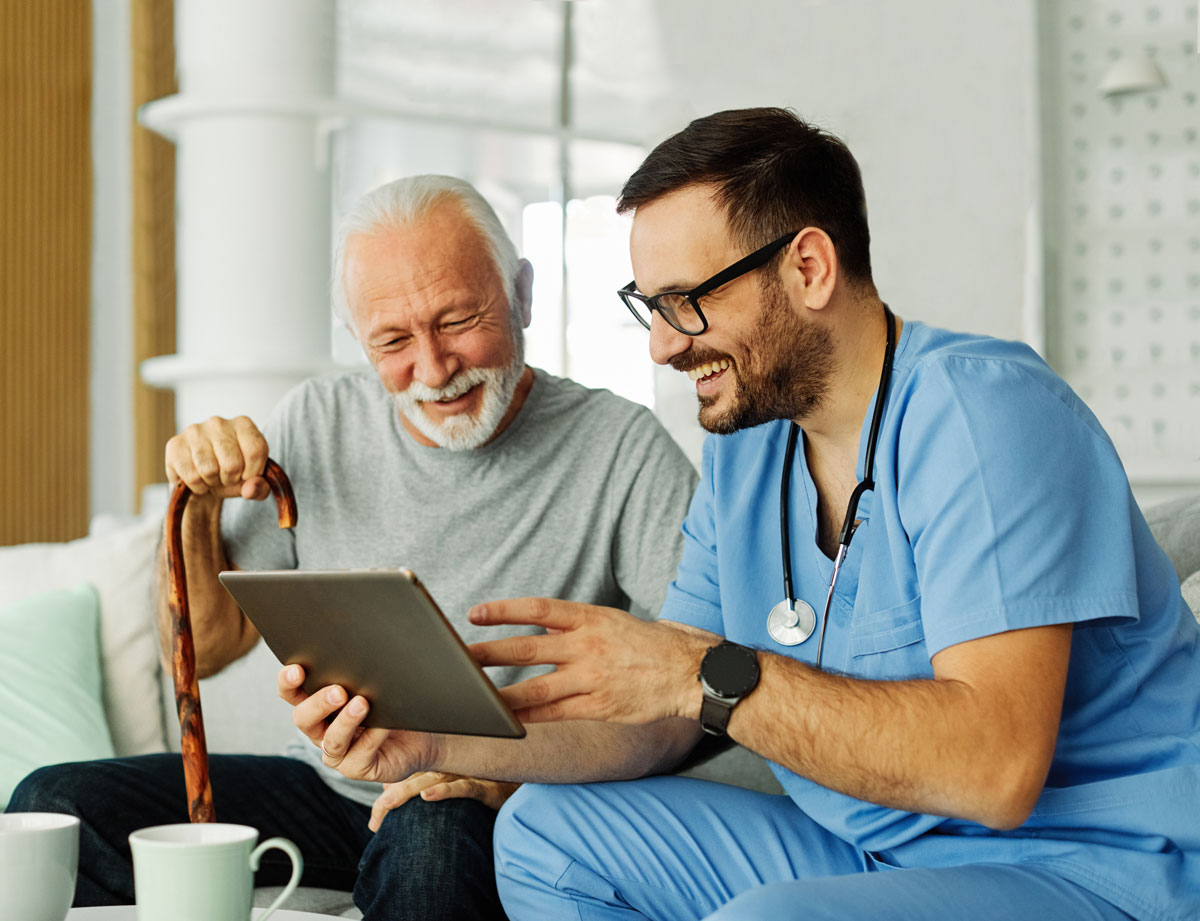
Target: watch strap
(714, 714)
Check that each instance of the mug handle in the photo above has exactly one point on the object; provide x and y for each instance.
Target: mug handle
(282, 844)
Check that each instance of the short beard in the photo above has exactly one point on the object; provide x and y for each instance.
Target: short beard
(789, 363)
(465, 432)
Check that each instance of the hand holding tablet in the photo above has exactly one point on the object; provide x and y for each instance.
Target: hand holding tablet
(379, 634)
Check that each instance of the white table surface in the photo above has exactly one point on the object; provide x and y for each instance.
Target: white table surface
(129, 913)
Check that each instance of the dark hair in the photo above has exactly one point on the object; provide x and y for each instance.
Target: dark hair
(772, 173)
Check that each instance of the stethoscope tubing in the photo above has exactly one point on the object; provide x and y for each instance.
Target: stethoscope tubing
(849, 525)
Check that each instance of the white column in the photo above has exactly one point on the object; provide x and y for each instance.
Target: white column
(251, 125)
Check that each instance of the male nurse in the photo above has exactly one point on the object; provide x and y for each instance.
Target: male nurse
(914, 579)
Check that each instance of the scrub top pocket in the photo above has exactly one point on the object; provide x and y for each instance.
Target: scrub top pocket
(889, 643)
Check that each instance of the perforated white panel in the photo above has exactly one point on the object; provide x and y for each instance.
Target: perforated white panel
(1123, 229)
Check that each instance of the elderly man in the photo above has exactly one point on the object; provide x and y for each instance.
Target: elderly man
(981, 687)
(451, 457)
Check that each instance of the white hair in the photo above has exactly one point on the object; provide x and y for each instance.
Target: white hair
(405, 201)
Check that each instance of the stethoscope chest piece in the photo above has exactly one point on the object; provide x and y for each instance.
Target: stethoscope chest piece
(790, 626)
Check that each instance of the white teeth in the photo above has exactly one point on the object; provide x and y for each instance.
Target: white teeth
(707, 369)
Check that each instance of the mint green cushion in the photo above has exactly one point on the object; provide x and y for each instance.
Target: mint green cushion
(50, 709)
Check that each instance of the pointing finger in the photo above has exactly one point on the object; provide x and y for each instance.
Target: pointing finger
(540, 612)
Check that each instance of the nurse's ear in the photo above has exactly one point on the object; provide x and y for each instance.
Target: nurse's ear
(809, 269)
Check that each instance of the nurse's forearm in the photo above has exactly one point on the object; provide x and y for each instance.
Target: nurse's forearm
(974, 742)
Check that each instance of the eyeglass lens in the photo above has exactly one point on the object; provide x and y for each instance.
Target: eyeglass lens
(680, 312)
(676, 309)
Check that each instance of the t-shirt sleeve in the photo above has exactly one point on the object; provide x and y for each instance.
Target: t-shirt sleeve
(694, 597)
(250, 530)
(649, 500)
(1014, 502)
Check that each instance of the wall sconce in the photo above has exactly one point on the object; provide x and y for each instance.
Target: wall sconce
(1132, 73)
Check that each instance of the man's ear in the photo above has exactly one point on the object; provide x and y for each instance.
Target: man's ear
(810, 267)
(523, 290)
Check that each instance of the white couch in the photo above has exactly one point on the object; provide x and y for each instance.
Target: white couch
(241, 711)
(117, 559)
(242, 714)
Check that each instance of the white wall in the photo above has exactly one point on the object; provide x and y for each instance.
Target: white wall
(1123, 219)
(938, 101)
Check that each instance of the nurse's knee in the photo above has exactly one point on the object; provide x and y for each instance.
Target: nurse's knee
(532, 821)
(773, 900)
(520, 815)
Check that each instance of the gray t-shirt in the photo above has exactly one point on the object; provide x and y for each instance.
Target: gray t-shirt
(581, 498)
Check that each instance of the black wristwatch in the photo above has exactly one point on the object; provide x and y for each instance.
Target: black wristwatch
(727, 674)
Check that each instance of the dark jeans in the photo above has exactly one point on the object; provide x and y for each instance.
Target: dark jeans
(428, 861)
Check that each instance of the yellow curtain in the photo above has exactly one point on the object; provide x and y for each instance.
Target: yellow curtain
(45, 252)
(153, 52)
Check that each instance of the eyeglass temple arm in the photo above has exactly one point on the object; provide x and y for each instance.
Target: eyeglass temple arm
(741, 267)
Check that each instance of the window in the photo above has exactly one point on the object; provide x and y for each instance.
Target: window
(603, 346)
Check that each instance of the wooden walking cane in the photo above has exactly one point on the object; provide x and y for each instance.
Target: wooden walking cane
(183, 651)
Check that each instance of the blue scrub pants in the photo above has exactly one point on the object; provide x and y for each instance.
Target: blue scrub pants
(673, 848)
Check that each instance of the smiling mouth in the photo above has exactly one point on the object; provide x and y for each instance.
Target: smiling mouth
(708, 370)
(450, 401)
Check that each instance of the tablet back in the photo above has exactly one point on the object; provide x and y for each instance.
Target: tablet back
(377, 633)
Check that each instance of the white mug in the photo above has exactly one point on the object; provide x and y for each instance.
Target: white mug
(202, 872)
(39, 854)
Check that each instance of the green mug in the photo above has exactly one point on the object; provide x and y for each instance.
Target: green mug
(202, 872)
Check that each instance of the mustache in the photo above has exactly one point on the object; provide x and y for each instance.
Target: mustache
(694, 358)
(455, 388)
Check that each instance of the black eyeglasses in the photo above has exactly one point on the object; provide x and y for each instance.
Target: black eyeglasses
(682, 308)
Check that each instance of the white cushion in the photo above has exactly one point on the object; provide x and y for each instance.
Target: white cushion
(1176, 527)
(120, 566)
(1191, 593)
(242, 712)
(329, 902)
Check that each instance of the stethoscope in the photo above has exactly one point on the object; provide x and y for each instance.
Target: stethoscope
(793, 620)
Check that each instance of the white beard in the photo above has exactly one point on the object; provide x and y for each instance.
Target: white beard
(464, 431)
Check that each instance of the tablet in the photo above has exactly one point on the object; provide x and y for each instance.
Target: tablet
(377, 633)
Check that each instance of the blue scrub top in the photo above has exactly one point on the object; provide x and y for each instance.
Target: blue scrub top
(999, 503)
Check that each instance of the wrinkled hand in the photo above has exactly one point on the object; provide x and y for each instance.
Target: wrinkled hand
(437, 785)
(610, 665)
(221, 457)
(334, 724)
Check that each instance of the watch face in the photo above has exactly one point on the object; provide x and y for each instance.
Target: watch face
(730, 670)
